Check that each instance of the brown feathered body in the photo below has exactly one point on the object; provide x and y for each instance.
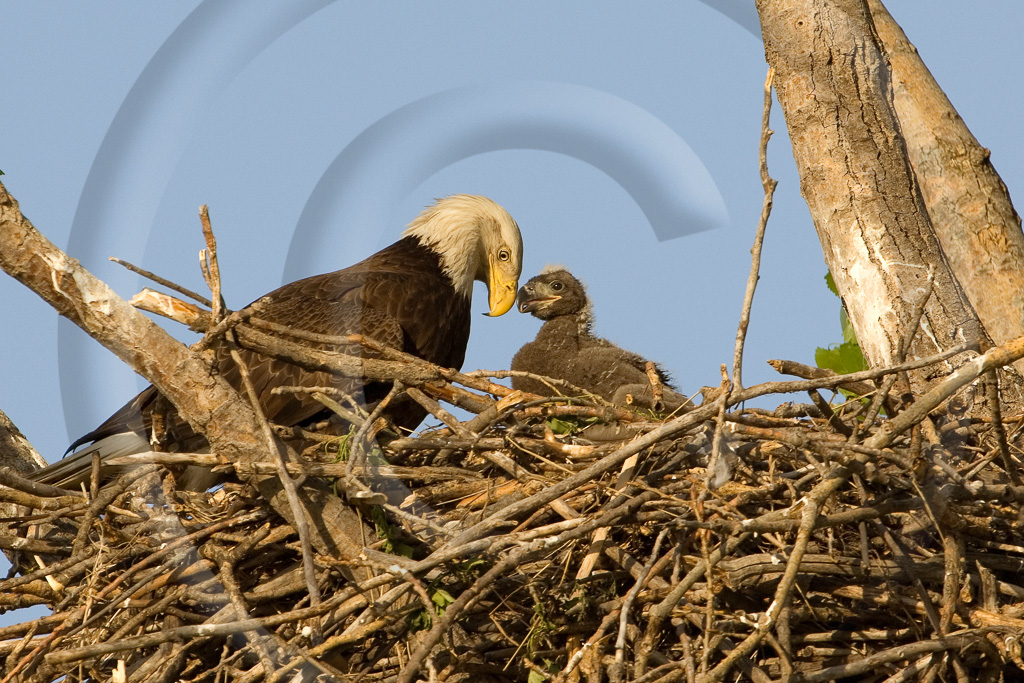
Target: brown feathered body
(399, 297)
(414, 296)
(565, 348)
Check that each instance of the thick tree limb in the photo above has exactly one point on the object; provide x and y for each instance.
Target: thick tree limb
(967, 201)
(833, 83)
(15, 450)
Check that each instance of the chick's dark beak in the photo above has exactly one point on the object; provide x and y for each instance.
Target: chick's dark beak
(529, 298)
(524, 300)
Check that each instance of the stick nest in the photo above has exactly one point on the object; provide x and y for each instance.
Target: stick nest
(562, 540)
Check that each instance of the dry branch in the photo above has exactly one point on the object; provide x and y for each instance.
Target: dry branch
(755, 252)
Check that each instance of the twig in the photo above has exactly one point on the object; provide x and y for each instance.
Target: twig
(186, 632)
(992, 391)
(101, 501)
(661, 611)
(16, 452)
(341, 364)
(903, 559)
(597, 636)
(276, 449)
(211, 271)
(592, 472)
(812, 505)
(552, 383)
(755, 251)
(618, 669)
(19, 497)
(357, 452)
(209, 264)
(834, 420)
(519, 556)
(657, 390)
(226, 568)
(228, 323)
(833, 380)
(717, 436)
(791, 367)
(194, 317)
(354, 417)
(161, 281)
(903, 652)
(996, 357)
(435, 409)
(597, 542)
(874, 407)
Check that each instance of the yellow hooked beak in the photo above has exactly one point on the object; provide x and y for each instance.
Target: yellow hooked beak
(502, 286)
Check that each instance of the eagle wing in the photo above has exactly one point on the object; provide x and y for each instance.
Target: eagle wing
(398, 297)
(353, 301)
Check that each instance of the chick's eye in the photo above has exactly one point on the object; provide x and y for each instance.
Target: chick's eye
(504, 255)
(557, 286)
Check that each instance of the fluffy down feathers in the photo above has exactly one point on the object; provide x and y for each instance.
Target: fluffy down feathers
(565, 347)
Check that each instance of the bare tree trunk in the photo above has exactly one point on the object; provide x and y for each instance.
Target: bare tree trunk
(967, 201)
(834, 86)
(15, 450)
(17, 454)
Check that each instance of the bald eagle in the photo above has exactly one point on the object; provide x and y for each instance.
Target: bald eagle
(413, 296)
(565, 347)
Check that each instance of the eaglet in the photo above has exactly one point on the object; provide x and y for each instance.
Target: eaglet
(565, 348)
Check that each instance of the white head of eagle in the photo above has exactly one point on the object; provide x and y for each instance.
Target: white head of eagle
(476, 239)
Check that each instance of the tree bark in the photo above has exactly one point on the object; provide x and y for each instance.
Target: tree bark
(17, 454)
(206, 401)
(15, 450)
(967, 202)
(834, 86)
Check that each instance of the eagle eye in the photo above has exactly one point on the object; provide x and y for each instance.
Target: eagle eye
(556, 285)
(504, 255)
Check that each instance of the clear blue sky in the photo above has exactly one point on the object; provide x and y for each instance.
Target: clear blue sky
(315, 130)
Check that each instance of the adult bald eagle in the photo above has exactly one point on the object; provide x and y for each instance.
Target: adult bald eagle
(413, 295)
(565, 347)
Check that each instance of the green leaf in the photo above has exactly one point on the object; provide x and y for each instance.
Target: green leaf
(831, 284)
(420, 620)
(344, 445)
(442, 599)
(536, 677)
(384, 531)
(842, 358)
(561, 426)
(474, 565)
(849, 336)
(846, 357)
